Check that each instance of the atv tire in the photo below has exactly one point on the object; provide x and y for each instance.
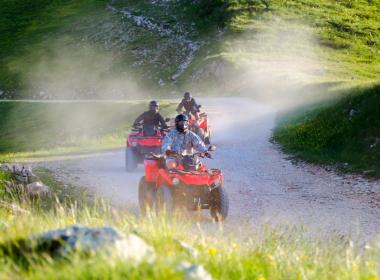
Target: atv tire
(146, 196)
(130, 160)
(219, 204)
(164, 200)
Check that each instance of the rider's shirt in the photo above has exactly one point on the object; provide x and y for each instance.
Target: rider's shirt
(183, 143)
(190, 106)
(150, 118)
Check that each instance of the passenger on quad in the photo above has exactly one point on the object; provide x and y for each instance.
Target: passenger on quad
(151, 120)
(189, 104)
(181, 140)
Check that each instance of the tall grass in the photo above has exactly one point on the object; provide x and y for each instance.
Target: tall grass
(242, 253)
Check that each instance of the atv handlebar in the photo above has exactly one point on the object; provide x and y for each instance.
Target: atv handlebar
(211, 148)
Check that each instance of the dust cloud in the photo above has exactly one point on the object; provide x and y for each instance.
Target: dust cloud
(279, 64)
(82, 72)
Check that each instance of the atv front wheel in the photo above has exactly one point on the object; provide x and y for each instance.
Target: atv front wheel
(219, 204)
(130, 160)
(146, 196)
(164, 200)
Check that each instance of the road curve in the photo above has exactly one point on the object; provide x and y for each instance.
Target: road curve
(264, 186)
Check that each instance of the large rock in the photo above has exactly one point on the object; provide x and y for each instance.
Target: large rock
(193, 272)
(189, 249)
(20, 173)
(105, 240)
(36, 189)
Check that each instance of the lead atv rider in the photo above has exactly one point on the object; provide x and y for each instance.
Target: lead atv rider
(151, 119)
(189, 104)
(181, 140)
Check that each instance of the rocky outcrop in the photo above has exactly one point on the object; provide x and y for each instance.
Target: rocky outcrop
(23, 180)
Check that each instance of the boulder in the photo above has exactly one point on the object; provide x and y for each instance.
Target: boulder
(193, 272)
(105, 240)
(37, 189)
(189, 249)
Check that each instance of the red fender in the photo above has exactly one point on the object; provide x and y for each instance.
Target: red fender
(163, 178)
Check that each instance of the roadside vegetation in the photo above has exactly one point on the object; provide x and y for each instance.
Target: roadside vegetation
(344, 132)
(34, 129)
(225, 254)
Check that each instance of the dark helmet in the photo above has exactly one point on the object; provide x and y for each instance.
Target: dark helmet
(154, 106)
(181, 123)
(187, 96)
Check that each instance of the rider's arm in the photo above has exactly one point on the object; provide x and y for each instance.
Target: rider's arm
(139, 119)
(198, 144)
(161, 121)
(179, 107)
(195, 106)
(167, 142)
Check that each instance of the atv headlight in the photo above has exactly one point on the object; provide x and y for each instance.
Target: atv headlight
(171, 163)
(175, 181)
(134, 144)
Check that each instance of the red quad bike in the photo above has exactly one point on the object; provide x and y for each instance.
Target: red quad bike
(142, 142)
(200, 126)
(174, 182)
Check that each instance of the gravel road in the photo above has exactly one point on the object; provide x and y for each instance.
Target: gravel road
(263, 185)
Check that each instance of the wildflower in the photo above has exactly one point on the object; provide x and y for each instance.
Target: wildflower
(212, 251)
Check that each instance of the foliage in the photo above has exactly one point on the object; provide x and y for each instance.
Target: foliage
(346, 131)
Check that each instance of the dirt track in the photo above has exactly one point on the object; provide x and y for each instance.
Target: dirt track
(263, 186)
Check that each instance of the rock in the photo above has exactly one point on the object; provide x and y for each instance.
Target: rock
(192, 251)
(37, 189)
(193, 272)
(105, 240)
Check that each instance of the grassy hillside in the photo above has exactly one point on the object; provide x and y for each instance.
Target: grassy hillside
(122, 48)
(225, 254)
(345, 133)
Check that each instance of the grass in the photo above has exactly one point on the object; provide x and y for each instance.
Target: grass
(24, 28)
(244, 254)
(345, 36)
(35, 129)
(344, 132)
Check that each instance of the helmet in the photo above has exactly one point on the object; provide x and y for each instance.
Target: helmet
(187, 96)
(153, 106)
(181, 123)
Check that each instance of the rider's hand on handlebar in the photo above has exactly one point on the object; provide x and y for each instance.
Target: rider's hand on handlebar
(207, 155)
(170, 153)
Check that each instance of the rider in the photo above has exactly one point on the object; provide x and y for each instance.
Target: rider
(181, 140)
(188, 102)
(152, 117)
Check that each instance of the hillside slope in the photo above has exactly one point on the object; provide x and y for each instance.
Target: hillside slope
(345, 133)
(101, 49)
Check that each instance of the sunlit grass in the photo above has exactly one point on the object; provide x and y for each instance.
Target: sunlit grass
(238, 253)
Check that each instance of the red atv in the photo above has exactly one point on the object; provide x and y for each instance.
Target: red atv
(200, 127)
(141, 142)
(176, 181)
